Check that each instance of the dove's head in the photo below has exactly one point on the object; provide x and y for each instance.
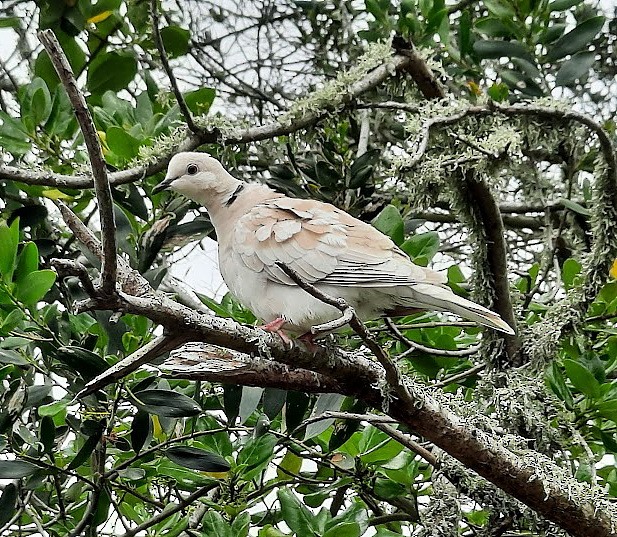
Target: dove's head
(197, 176)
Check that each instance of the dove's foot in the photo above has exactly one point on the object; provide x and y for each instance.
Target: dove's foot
(276, 327)
(308, 339)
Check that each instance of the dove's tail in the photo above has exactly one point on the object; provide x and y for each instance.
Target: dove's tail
(437, 298)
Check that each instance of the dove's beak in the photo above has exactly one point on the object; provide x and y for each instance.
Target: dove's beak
(163, 185)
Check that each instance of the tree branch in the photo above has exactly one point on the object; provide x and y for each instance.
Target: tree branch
(99, 171)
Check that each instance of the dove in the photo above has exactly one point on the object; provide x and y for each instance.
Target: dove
(257, 227)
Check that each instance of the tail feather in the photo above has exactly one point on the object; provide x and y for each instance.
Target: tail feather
(437, 298)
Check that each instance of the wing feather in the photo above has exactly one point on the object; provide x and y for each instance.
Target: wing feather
(323, 244)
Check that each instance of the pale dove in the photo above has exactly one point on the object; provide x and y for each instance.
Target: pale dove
(340, 255)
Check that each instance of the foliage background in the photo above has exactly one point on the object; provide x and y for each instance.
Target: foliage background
(164, 456)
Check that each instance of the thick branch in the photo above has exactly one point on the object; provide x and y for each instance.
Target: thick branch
(99, 171)
(201, 361)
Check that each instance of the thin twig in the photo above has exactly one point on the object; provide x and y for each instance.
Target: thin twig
(97, 162)
(156, 32)
(391, 372)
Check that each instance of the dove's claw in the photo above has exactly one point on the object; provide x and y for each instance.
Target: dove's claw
(276, 328)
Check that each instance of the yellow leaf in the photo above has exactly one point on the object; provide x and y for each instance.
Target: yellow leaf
(100, 17)
(216, 475)
(613, 271)
(474, 88)
(157, 430)
(55, 194)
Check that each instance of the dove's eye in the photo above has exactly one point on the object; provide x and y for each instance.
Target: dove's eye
(192, 169)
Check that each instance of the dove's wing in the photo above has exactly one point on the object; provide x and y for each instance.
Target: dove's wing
(322, 244)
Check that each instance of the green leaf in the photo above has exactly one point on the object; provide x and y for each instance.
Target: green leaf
(251, 395)
(500, 8)
(13, 135)
(34, 286)
(390, 223)
(299, 519)
(121, 143)
(8, 502)
(582, 378)
(77, 59)
(569, 272)
(35, 103)
(493, 49)
(424, 245)
(499, 92)
(295, 408)
(573, 69)
(551, 33)
(16, 469)
(54, 408)
(562, 5)
(241, 525)
(492, 27)
(215, 524)
(28, 260)
(324, 403)
(9, 239)
(576, 39)
(9, 22)
(256, 454)
(167, 403)
(199, 101)
(326, 174)
(8, 356)
(111, 71)
(175, 40)
(344, 529)
(197, 459)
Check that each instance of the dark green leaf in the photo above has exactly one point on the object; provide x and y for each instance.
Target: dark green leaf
(232, 394)
(326, 174)
(551, 33)
(575, 40)
(48, 433)
(16, 469)
(82, 361)
(175, 40)
(140, 429)
(295, 409)
(111, 71)
(582, 378)
(167, 403)
(101, 512)
(197, 459)
(390, 223)
(84, 453)
(199, 101)
(493, 49)
(574, 69)
(34, 286)
(273, 401)
(8, 501)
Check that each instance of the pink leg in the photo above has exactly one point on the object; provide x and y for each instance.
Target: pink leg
(308, 338)
(276, 328)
